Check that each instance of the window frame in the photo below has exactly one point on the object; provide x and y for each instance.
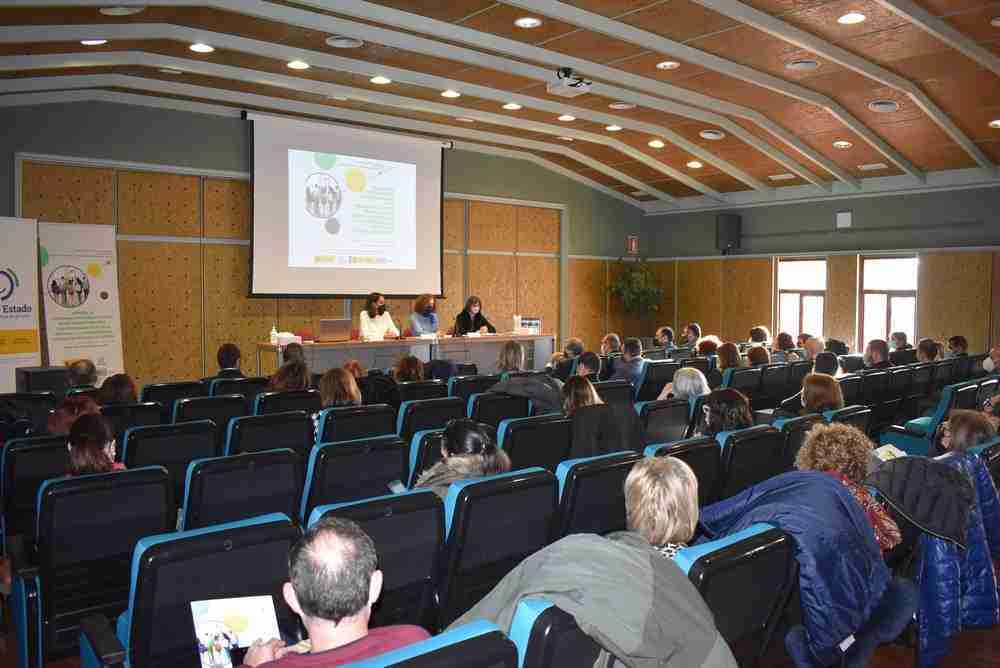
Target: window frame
(889, 295)
(801, 293)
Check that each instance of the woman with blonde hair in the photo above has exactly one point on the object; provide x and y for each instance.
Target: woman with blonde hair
(661, 503)
(408, 369)
(292, 375)
(337, 387)
(511, 357)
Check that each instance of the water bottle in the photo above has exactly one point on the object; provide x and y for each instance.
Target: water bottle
(274, 334)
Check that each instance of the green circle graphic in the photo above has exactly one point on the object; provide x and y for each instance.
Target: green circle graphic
(325, 160)
(43, 255)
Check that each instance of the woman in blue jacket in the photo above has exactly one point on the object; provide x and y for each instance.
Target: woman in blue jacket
(424, 319)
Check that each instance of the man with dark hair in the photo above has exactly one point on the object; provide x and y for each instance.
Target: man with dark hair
(81, 373)
(837, 347)
(334, 581)
(927, 350)
(611, 344)
(877, 355)
(228, 358)
(958, 346)
(899, 341)
(664, 337)
(630, 366)
(588, 364)
(573, 348)
(293, 352)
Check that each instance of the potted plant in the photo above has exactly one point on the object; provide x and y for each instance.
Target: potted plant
(637, 287)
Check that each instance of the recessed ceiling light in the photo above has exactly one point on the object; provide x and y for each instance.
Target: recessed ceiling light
(93, 42)
(512, 106)
(621, 106)
(668, 65)
(463, 119)
(995, 22)
(638, 193)
(339, 42)
(842, 144)
(201, 48)
(380, 80)
(656, 143)
(873, 167)
(995, 124)
(612, 128)
(340, 98)
(299, 65)
(712, 135)
(695, 164)
(883, 106)
(566, 138)
(170, 70)
(528, 22)
(850, 18)
(566, 118)
(450, 93)
(782, 177)
(120, 11)
(802, 65)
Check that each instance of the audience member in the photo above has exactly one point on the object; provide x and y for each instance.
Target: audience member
(61, 419)
(661, 503)
(837, 347)
(228, 357)
(958, 346)
(630, 366)
(664, 337)
(688, 383)
(544, 391)
(467, 451)
(333, 583)
(727, 357)
(964, 430)
(440, 369)
(117, 389)
(81, 373)
(820, 393)
(511, 357)
(843, 452)
(92, 446)
(556, 357)
(784, 342)
(813, 346)
(294, 375)
(827, 362)
(801, 339)
(897, 341)
(354, 368)
(991, 409)
(578, 392)
(293, 352)
(992, 362)
(408, 368)
(927, 350)
(725, 410)
(692, 332)
(708, 345)
(760, 335)
(588, 364)
(594, 430)
(611, 344)
(563, 368)
(337, 387)
(758, 355)
(574, 347)
(877, 355)
(424, 319)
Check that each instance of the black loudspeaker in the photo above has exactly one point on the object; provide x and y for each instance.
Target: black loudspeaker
(42, 379)
(727, 232)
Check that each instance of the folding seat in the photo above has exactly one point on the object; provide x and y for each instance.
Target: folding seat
(253, 433)
(592, 493)
(703, 364)
(746, 580)
(900, 357)
(226, 489)
(248, 387)
(220, 409)
(564, 369)
(421, 389)
(746, 380)
(408, 532)
(170, 570)
(521, 374)
(990, 452)
(125, 416)
(852, 363)
(607, 367)
(944, 373)
(850, 387)
(479, 644)
(962, 368)
(89, 392)
(797, 371)
(682, 353)
(491, 525)
(34, 405)
(172, 446)
(166, 394)
(615, 392)
(663, 421)
(348, 423)
(424, 452)
(900, 379)
(874, 388)
(492, 408)
(773, 385)
(987, 388)
(856, 416)
(654, 353)
(618, 395)
(794, 431)
(421, 414)
(542, 441)
(26, 464)
(697, 415)
(916, 436)
(465, 386)
(87, 528)
(704, 457)
(351, 470)
(378, 388)
(750, 456)
(654, 377)
(976, 369)
(547, 637)
(967, 396)
(292, 400)
(467, 369)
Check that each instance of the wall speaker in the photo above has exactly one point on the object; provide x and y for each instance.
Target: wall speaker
(727, 232)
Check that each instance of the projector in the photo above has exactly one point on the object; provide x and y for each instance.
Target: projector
(568, 84)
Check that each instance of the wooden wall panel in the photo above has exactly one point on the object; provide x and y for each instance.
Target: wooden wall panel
(537, 230)
(699, 294)
(161, 288)
(667, 315)
(227, 208)
(492, 226)
(952, 294)
(587, 295)
(64, 194)
(454, 224)
(622, 323)
(840, 316)
(304, 314)
(538, 290)
(454, 291)
(231, 316)
(748, 297)
(158, 204)
(493, 280)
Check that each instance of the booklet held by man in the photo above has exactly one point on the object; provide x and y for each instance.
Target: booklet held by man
(225, 627)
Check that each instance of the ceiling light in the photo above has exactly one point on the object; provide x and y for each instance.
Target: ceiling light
(995, 124)
(850, 18)
(842, 144)
(883, 106)
(120, 11)
(512, 106)
(694, 164)
(340, 98)
(621, 106)
(339, 42)
(668, 65)
(612, 128)
(201, 48)
(712, 135)
(450, 93)
(566, 138)
(802, 65)
(380, 80)
(170, 70)
(566, 118)
(782, 177)
(93, 42)
(463, 119)
(656, 143)
(528, 22)
(873, 167)
(638, 193)
(299, 65)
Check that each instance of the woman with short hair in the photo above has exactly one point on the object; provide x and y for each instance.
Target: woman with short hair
(688, 383)
(661, 503)
(92, 447)
(708, 345)
(758, 355)
(725, 410)
(117, 389)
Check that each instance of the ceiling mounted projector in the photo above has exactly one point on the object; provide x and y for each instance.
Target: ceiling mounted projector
(568, 84)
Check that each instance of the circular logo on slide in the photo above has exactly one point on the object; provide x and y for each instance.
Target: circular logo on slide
(68, 286)
(322, 196)
(8, 281)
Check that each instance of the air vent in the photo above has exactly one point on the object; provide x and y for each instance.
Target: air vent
(802, 65)
(883, 106)
(621, 106)
(341, 42)
(712, 135)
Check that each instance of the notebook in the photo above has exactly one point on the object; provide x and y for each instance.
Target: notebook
(225, 627)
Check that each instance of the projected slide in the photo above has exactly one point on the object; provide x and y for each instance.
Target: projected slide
(350, 212)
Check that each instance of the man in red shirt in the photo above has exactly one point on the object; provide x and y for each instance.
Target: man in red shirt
(333, 584)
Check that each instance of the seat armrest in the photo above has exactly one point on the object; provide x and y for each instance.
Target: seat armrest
(97, 632)
(19, 553)
(901, 431)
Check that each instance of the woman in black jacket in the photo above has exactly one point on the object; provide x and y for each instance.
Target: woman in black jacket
(471, 319)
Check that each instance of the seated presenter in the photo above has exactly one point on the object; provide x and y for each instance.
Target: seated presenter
(376, 323)
(424, 319)
(472, 320)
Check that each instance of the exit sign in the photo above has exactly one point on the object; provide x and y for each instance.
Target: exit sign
(632, 244)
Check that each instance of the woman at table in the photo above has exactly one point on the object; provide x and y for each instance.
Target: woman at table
(424, 319)
(472, 320)
(376, 323)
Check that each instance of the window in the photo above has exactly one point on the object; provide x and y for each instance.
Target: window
(801, 296)
(889, 291)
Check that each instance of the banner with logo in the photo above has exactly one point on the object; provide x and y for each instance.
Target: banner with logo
(79, 269)
(19, 342)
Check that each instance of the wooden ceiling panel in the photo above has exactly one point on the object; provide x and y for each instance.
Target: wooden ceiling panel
(606, 154)
(976, 23)
(610, 8)
(442, 10)
(942, 65)
(762, 52)
(992, 149)
(925, 144)
(821, 19)
(841, 82)
(971, 102)
(894, 44)
(599, 177)
(639, 170)
(674, 188)
(493, 78)
(679, 20)
(645, 65)
(593, 46)
(860, 153)
(499, 20)
(944, 7)
(723, 183)
(779, 7)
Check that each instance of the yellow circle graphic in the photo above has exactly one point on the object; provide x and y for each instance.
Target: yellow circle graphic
(236, 621)
(355, 179)
(94, 270)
